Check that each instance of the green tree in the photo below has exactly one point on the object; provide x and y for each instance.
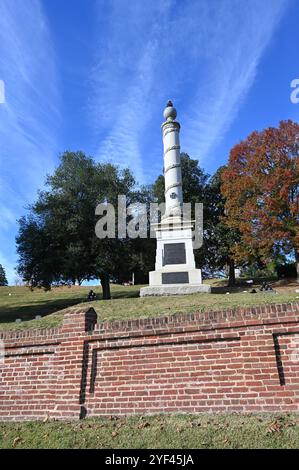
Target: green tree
(3, 280)
(57, 241)
(143, 250)
(219, 237)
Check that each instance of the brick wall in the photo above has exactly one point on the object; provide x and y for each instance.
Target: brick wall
(234, 360)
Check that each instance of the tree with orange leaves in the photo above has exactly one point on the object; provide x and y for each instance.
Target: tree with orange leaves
(261, 187)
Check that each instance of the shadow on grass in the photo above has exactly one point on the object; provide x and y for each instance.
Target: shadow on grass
(28, 311)
(125, 294)
(43, 308)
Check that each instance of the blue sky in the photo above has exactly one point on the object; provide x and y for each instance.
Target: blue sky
(95, 75)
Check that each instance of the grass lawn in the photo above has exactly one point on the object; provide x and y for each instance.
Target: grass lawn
(126, 303)
(167, 432)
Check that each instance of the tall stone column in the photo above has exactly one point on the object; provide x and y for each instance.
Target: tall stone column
(175, 269)
(172, 162)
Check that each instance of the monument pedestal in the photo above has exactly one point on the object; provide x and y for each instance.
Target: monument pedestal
(175, 289)
(175, 272)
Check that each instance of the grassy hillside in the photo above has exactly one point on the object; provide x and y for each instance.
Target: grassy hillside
(20, 302)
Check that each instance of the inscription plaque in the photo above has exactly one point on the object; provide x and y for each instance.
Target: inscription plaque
(175, 278)
(174, 253)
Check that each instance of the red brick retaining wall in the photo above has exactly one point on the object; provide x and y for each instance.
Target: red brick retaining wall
(234, 360)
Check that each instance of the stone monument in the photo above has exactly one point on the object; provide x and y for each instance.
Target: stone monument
(175, 272)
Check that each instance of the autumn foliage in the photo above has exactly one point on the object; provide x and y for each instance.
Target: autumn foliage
(261, 187)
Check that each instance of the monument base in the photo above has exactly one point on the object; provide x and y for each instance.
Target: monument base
(175, 272)
(175, 289)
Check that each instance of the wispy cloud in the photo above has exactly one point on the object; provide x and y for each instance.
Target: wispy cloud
(124, 77)
(204, 55)
(121, 145)
(233, 46)
(29, 118)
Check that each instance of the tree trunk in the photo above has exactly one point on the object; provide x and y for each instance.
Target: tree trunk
(105, 283)
(297, 262)
(231, 273)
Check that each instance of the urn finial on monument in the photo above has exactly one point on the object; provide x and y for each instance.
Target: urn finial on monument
(170, 112)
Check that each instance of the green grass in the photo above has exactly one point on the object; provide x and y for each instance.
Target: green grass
(125, 303)
(167, 432)
(24, 304)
